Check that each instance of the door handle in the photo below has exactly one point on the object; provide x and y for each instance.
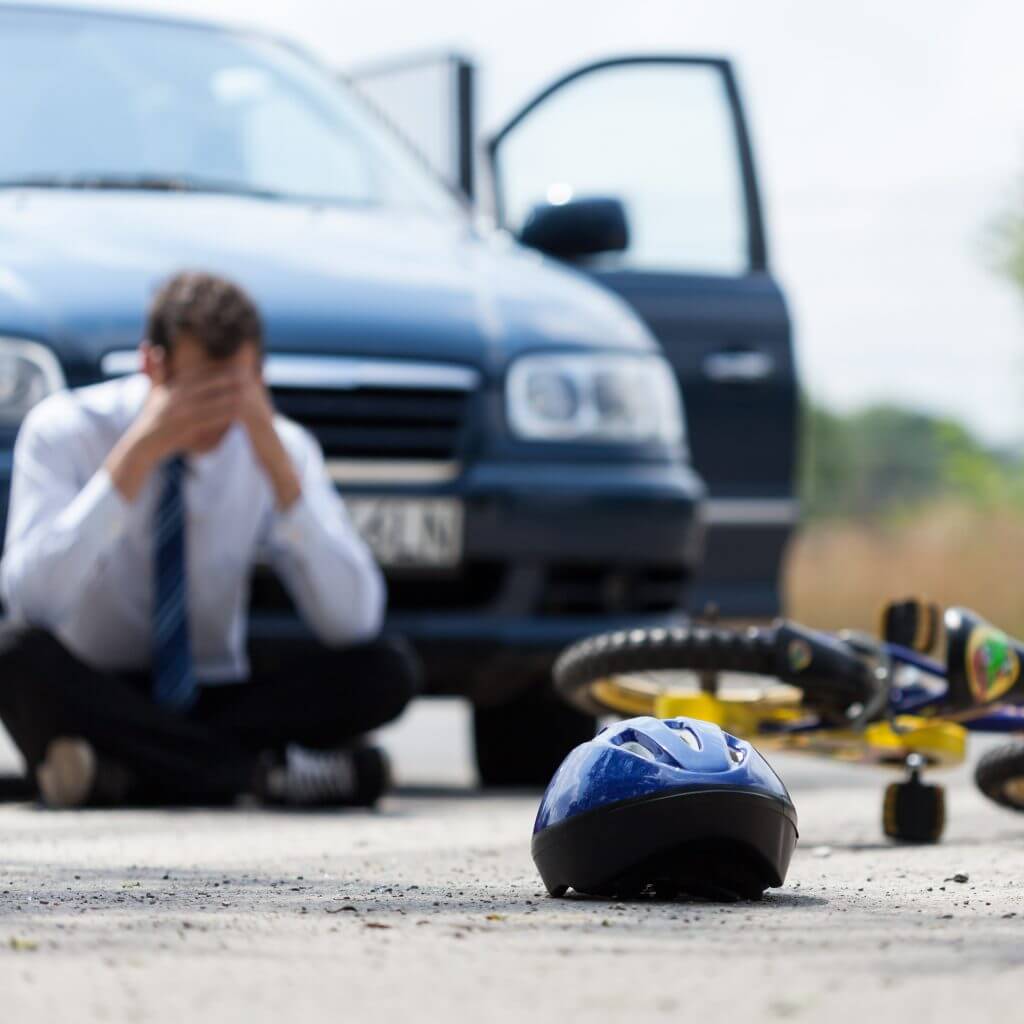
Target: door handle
(738, 366)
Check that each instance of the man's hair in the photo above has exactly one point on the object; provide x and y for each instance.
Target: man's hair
(213, 310)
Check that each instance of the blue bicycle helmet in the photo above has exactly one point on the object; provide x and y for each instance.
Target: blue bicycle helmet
(675, 806)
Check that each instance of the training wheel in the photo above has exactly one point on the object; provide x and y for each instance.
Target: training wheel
(914, 811)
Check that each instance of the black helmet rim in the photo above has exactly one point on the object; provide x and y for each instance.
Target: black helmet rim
(714, 843)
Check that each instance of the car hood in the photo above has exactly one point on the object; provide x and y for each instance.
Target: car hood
(77, 269)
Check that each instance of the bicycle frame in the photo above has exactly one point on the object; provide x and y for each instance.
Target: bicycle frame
(916, 698)
(908, 728)
(914, 707)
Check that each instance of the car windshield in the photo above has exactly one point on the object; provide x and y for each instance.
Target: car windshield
(101, 101)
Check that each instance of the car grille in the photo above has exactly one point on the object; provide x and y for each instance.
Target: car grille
(571, 589)
(380, 422)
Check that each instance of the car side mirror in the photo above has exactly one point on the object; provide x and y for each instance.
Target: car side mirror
(580, 227)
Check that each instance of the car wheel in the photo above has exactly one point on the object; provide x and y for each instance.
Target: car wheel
(522, 742)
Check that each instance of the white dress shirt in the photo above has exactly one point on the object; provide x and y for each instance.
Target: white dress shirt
(79, 557)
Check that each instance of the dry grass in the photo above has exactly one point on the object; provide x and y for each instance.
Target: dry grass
(839, 573)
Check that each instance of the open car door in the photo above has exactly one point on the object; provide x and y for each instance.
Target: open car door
(666, 137)
(430, 99)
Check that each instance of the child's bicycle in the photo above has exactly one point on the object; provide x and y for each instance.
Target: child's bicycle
(848, 695)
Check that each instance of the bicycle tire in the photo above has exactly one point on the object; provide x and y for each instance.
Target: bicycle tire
(836, 681)
(997, 769)
(698, 648)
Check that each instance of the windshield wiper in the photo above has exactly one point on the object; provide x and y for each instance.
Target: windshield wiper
(140, 183)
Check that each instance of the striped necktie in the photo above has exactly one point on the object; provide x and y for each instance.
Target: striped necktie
(174, 679)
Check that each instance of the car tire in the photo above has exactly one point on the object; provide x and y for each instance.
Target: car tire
(520, 743)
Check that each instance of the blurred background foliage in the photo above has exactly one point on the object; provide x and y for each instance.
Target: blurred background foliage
(899, 502)
(887, 461)
(896, 503)
(1008, 242)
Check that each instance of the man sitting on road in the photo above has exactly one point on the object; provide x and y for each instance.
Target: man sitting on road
(138, 508)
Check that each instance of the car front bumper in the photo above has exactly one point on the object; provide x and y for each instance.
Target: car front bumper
(551, 553)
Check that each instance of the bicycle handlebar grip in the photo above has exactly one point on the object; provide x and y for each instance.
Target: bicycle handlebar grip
(829, 672)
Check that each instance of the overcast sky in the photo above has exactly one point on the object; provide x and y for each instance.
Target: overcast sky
(889, 136)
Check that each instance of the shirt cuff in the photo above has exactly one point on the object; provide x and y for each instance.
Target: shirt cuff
(294, 526)
(98, 514)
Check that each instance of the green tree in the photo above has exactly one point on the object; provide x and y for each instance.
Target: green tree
(1009, 242)
(887, 459)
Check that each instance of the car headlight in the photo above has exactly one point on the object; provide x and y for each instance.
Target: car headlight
(28, 372)
(594, 397)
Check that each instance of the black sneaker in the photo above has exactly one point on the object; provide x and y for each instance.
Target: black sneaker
(349, 777)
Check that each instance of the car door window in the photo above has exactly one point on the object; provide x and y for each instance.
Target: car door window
(661, 137)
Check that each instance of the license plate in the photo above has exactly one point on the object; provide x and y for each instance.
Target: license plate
(410, 532)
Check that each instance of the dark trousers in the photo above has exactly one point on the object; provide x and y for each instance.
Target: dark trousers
(211, 754)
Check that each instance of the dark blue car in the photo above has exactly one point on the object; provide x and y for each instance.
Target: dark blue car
(506, 429)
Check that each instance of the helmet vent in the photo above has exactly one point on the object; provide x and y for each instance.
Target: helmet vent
(689, 737)
(637, 742)
(686, 734)
(637, 748)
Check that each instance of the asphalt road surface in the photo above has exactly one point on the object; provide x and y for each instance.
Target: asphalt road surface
(430, 909)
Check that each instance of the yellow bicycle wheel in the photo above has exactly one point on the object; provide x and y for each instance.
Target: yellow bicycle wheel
(629, 672)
